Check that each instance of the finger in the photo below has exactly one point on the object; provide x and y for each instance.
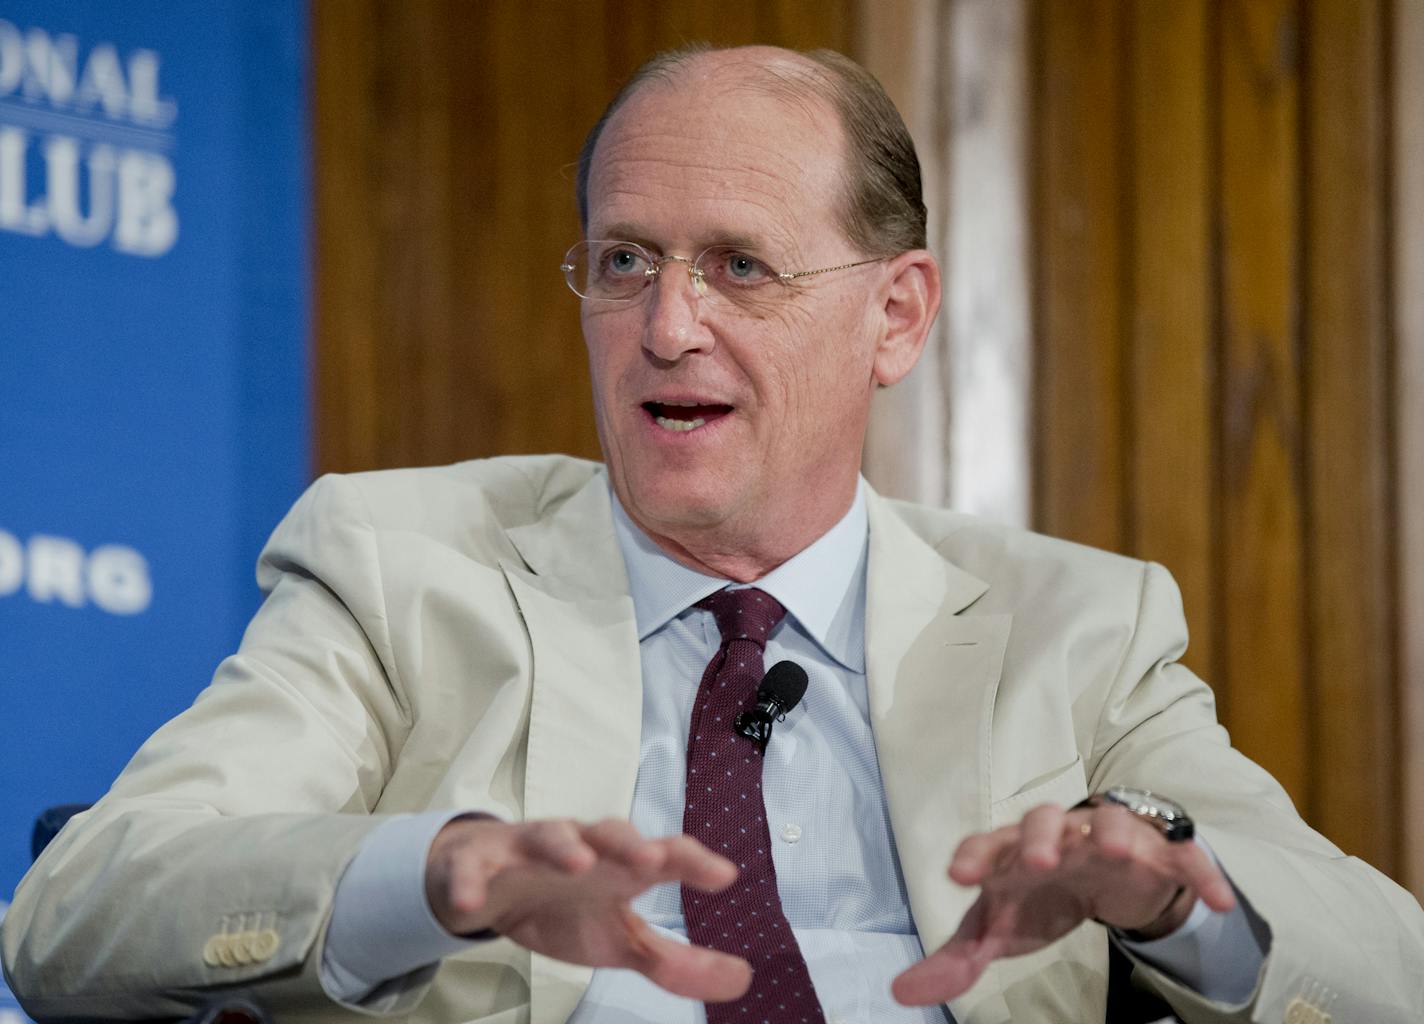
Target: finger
(556, 844)
(950, 970)
(1041, 837)
(1123, 837)
(462, 858)
(1118, 834)
(467, 884)
(691, 863)
(695, 972)
(619, 841)
(1199, 872)
(943, 975)
(976, 857)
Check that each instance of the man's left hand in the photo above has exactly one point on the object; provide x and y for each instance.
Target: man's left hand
(1055, 869)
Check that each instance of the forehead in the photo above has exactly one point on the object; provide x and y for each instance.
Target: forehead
(719, 151)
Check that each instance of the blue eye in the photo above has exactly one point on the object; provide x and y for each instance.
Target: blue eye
(740, 265)
(624, 261)
(736, 268)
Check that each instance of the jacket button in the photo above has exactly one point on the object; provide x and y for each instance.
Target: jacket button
(241, 944)
(264, 944)
(1301, 1012)
(226, 954)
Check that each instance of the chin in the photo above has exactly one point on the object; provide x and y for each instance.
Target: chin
(663, 501)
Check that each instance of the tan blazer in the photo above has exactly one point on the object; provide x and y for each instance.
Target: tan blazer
(463, 637)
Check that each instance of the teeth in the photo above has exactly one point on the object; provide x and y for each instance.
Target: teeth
(679, 425)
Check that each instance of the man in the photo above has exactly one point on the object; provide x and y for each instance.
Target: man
(385, 798)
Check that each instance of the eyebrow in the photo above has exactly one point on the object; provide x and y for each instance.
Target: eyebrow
(628, 232)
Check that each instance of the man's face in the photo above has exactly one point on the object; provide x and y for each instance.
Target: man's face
(784, 384)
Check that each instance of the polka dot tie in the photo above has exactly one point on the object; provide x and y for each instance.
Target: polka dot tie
(725, 812)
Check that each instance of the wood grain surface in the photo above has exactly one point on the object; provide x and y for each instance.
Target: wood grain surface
(1171, 359)
(1406, 233)
(1220, 388)
(1078, 211)
(1350, 583)
(1261, 544)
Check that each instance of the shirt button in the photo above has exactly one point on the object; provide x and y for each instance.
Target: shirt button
(791, 833)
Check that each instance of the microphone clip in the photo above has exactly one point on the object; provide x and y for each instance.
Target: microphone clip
(756, 724)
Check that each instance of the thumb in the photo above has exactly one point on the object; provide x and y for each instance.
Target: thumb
(948, 972)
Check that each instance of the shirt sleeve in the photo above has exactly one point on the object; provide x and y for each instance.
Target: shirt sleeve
(1218, 955)
(382, 926)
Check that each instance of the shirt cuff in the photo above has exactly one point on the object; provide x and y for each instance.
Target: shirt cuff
(382, 926)
(1217, 955)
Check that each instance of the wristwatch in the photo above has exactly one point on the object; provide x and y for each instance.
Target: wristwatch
(1166, 816)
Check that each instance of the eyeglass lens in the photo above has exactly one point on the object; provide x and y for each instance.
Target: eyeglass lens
(621, 270)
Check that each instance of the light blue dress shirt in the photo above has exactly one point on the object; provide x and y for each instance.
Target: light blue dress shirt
(836, 866)
(837, 869)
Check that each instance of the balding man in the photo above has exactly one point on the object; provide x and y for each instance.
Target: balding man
(489, 729)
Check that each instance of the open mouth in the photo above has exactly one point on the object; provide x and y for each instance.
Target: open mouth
(680, 417)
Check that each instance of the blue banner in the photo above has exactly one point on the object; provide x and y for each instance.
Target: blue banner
(153, 380)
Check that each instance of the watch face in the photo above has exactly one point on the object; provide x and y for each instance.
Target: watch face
(1167, 814)
(1142, 801)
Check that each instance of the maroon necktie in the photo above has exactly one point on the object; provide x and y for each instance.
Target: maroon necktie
(725, 812)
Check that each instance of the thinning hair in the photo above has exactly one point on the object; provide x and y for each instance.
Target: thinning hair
(882, 206)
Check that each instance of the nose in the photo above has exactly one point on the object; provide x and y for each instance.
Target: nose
(674, 325)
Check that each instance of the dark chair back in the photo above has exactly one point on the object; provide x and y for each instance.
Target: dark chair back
(48, 824)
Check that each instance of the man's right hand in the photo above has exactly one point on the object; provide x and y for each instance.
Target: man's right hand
(563, 889)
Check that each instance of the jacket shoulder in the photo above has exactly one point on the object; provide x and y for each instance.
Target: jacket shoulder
(507, 491)
(1024, 567)
(465, 509)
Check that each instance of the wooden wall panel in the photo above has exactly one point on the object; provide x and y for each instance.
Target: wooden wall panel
(445, 138)
(1215, 361)
(1406, 47)
(346, 360)
(1262, 548)
(1078, 164)
(1355, 706)
(1171, 472)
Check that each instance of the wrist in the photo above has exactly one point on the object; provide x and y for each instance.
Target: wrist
(453, 842)
(1172, 917)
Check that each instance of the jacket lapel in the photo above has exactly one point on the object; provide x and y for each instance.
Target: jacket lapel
(930, 668)
(585, 714)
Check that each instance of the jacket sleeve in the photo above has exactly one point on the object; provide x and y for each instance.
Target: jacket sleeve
(213, 859)
(1344, 939)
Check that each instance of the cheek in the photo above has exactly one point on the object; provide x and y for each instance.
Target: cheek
(601, 332)
(818, 368)
(786, 349)
(834, 357)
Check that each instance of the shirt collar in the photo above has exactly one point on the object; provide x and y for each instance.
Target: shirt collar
(823, 586)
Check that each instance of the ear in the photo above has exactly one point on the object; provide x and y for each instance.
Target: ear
(910, 302)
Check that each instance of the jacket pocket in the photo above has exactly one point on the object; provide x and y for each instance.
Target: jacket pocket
(1063, 786)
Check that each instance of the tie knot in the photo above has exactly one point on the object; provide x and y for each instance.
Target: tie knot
(745, 614)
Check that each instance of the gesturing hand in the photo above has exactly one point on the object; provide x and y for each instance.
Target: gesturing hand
(563, 889)
(1041, 878)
